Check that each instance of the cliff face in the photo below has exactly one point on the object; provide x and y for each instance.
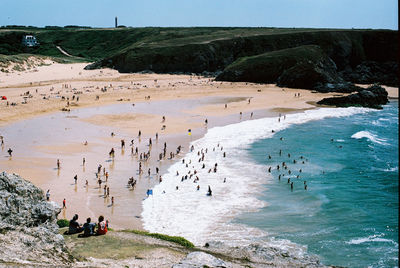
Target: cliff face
(346, 48)
(28, 229)
(302, 66)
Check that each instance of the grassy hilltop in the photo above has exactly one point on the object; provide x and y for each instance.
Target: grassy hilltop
(95, 43)
(362, 56)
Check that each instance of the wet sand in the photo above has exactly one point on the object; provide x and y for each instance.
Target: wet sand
(40, 134)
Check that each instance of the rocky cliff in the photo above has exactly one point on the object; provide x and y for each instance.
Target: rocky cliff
(28, 229)
(357, 54)
(299, 67)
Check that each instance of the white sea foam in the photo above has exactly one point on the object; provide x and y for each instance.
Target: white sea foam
(190, 213)
(391, 169)
(370, 136)
(371, 238)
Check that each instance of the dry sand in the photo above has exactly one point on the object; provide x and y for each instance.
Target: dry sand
(50, 89)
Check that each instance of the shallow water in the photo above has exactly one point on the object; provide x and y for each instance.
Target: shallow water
(37, 144)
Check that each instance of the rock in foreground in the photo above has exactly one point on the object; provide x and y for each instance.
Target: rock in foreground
(200, 260)
(28, 229)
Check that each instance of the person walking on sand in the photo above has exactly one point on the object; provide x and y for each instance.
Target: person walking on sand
(64, 203)
(48, 195)
(10, 152)
(112, 153)
(76, 178)
(58, 163)
(112, 201)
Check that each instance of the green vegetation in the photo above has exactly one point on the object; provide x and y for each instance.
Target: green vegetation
(302, 66)
(175, 239)
(95, 43)
(270, 65)
(196, 49)
(109, 246)
(115, 245)
(62, 223)
(23, 61)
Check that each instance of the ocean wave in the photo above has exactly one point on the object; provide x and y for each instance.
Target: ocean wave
(371, 238)
(370, 136)
(391, 169)
(384, 119)
(189, 212)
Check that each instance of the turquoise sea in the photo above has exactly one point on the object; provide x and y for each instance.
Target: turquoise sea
(348, 215)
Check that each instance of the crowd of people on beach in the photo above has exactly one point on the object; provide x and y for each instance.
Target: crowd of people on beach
(143, 157)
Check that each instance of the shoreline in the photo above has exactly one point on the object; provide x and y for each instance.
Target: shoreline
(193, 99)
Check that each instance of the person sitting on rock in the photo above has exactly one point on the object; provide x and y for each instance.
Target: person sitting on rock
(102, 226)
(74, 226)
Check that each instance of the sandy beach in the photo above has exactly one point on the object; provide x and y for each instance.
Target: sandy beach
(51, 111)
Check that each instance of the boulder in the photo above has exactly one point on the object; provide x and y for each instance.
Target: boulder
(28, 230)
(372, 97)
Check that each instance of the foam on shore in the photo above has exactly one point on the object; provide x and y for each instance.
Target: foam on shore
(200, 218)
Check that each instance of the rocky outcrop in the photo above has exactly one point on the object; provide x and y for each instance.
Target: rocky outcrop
(303, 67)
(372, 97)
(28, 229)
(370, 72)
(260, 255)
(345, 87)
(308, 75)
(200, 259)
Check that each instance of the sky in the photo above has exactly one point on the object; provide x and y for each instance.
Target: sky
(361, 14)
